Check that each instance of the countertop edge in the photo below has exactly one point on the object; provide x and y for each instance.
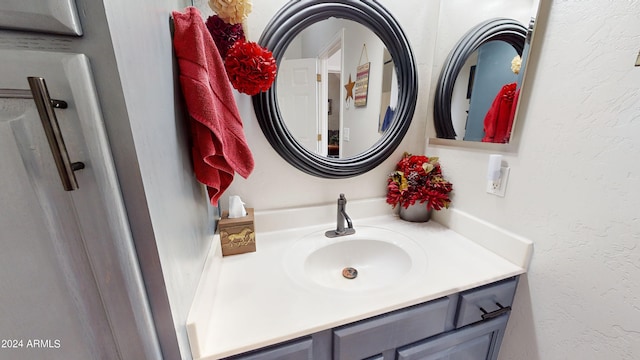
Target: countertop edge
(202, 299)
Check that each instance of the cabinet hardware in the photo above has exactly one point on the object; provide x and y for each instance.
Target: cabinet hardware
(15, 94)
(490, 315)
(45, 106)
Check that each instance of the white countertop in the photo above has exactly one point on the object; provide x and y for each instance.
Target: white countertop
(249, 301)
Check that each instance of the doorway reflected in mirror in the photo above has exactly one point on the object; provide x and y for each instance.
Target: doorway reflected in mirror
(311, 75)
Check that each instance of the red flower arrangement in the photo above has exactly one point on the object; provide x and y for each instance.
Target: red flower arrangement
(418, 179)
(223, 34)
(251, 68)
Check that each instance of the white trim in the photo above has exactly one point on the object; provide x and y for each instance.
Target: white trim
(198, 329)
(336, 43)
(507, 244)
(114, 262)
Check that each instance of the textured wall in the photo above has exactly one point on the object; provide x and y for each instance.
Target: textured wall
(573, 187)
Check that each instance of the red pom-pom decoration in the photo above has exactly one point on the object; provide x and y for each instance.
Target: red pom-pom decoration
(251, 68)
(224, 35)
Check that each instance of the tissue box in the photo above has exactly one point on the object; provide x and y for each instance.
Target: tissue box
(237, 236)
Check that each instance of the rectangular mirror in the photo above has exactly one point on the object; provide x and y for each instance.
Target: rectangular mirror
(480, 104)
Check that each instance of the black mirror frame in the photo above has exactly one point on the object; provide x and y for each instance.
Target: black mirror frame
(288, 22)
(498, 29)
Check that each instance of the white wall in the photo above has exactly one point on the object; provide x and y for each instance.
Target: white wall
(362, 121)
(573, 187)
(460, 104)
(169, 215)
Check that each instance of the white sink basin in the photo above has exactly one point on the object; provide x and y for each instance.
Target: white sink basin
(381, 258)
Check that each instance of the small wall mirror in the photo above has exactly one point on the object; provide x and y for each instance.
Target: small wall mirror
(346, 87)
(477, 92)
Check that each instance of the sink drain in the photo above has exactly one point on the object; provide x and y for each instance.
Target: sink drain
(349, 273)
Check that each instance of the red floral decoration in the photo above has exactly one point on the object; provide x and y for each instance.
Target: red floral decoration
(418, 179)
(251, 68)
(224, 35)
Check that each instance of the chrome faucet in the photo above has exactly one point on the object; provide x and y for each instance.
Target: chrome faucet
(342, 217)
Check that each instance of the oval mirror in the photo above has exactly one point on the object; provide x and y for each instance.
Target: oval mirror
(363, 106)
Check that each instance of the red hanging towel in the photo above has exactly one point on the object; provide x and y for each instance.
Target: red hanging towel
(499, 118)
(219, 146)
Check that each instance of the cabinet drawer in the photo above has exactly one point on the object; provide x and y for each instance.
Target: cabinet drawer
(493, 299)
(370, 337)
(301, 349)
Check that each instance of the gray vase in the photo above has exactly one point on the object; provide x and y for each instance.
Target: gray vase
(415, 213)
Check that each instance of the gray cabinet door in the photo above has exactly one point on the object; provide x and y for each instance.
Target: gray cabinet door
(64, 293)
(48, 16)
(375, 336)
(474, 342)
(301, 349)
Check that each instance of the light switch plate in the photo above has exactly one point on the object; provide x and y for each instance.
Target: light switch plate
(499, 188)
(345, 134)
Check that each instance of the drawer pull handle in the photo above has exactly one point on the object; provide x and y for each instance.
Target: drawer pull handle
(490, 315)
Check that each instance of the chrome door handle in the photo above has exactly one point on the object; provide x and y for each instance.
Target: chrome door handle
(45, 106)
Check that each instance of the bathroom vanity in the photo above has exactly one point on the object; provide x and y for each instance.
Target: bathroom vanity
(423, 291)
(468, 325)
(436, 290)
